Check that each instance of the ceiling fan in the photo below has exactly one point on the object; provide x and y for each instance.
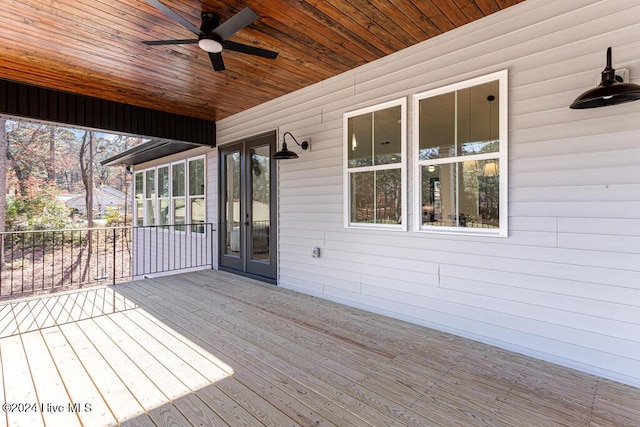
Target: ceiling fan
(212, 35)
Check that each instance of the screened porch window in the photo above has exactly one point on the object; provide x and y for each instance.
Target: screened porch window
(172, 193)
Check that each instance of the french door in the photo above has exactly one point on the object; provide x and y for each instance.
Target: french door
(248, 207)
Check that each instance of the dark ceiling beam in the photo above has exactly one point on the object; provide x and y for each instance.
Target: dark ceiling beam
(38, 103)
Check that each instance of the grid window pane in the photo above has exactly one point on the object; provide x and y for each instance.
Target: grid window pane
(150, 188)
(196, 177)
(362, 209)
(163, 182)
(360, 135)
(178, 179)
(436, 121)
(387, 136)
(139, 185)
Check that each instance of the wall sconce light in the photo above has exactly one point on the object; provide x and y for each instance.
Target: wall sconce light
(285, 153)
(610, 91)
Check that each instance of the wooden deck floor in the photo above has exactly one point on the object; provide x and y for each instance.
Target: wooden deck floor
(210, 348)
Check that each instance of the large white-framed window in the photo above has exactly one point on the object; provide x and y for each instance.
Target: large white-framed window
(460, 157)
(172, 193)
(374, 140)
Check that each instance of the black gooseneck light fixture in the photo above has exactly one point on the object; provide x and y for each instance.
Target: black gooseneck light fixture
(285, 153)
(610, 91)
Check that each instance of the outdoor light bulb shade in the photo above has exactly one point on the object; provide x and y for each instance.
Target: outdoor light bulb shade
(210, 45)
(285, 154)
(608, 92)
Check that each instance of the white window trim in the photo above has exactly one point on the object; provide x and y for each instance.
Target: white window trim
(186, 196)
(502, 156)
(402, 102)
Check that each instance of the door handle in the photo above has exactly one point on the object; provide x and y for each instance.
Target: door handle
(247, 222)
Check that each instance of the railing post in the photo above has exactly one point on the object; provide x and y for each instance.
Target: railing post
(113, 278)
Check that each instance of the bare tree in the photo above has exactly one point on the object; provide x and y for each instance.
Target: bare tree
(3, 185)
(86, 169)
(51, 165)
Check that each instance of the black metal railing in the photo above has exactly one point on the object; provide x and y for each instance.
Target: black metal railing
(52, 260)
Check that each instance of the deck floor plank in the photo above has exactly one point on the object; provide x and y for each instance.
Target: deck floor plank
(257, 369)
(82, 391)
(214, 349)
(196, 411)
(349, 386)
(18, 383)
(121, 402)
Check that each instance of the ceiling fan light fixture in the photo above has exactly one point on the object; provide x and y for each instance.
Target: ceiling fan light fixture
(210, 45)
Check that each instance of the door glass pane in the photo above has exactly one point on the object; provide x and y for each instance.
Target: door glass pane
(232, 203)
(260, 206)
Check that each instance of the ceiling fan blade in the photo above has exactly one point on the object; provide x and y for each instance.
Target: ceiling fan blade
(173, 15)
(250, 50)
(216, 61)
(161, 42)
(237, 22)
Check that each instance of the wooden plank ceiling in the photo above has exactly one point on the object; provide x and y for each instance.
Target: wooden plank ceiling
(94, 47)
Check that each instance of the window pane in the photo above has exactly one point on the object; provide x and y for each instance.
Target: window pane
(177, 171)
(197, 214)
(480, 194)
(478, 108)
(150, 184)
(164, 214)
(439, 195)
(139, 185)
(376, 197)
(150, 212)
(139, 212)
(163, 182)
(476, 206)
(362, 197)
(387, 135)
(360, 140)
(196, 177)
(179, 212)
(388, 194)
(436, 121)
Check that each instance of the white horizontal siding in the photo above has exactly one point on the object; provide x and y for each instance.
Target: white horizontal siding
(565, 284)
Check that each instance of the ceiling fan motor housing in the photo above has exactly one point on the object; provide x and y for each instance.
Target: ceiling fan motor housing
(208, 41)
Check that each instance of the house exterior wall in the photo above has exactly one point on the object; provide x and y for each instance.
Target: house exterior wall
(564, 286)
